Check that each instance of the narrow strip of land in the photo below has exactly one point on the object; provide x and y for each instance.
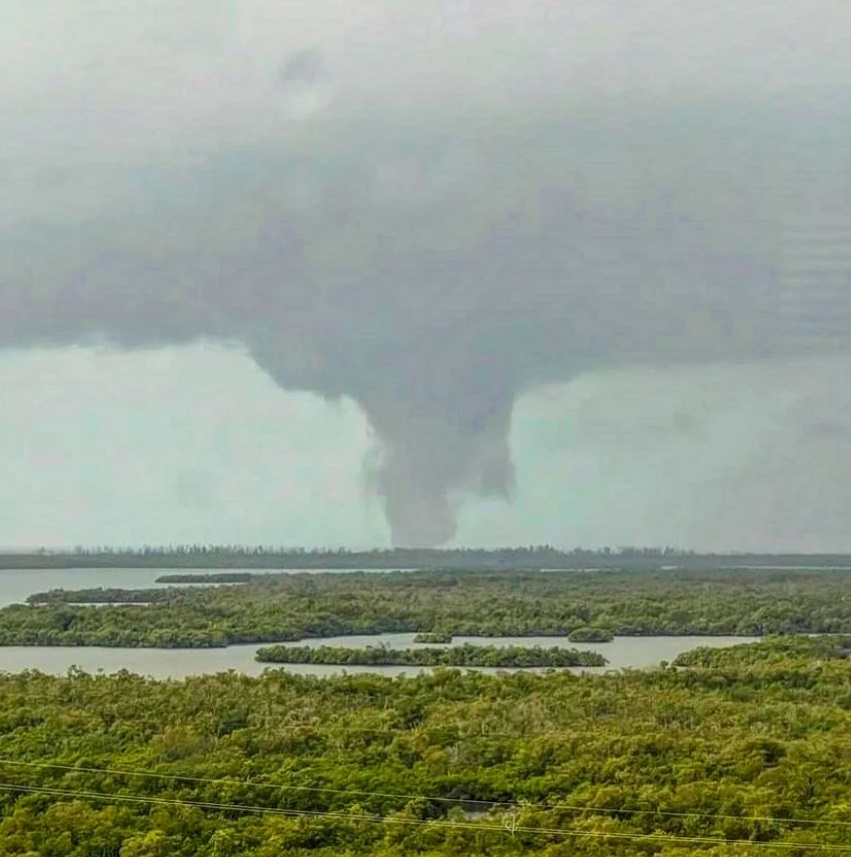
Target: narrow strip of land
(544, 557)
(467, 655)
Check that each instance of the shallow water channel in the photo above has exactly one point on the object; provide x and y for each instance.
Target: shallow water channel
(15, 586)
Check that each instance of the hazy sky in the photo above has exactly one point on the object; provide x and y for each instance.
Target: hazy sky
(476, 270)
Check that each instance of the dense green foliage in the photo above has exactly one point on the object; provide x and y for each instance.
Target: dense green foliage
(433, 637)
(537, 557)
(819, 648)
(467, 655)
(590, 634)
(288, 607)
(751, 751)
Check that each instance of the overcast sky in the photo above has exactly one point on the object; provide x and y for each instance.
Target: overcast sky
(479, 271)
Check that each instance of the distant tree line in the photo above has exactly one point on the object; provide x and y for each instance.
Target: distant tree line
(528, 557)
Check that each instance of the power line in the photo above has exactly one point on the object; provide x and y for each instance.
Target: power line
(355, 793)
(379, 819)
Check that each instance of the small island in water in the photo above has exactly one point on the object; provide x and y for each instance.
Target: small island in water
(467, 655)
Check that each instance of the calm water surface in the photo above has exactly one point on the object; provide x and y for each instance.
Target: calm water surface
(15, 586)
(634, 652)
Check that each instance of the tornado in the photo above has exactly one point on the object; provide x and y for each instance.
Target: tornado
(430, 211)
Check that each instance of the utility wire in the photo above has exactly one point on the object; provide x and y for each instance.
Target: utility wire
(457, 825)
(579, 808)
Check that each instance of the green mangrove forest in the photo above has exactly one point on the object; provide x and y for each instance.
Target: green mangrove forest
(467, 655)
(733, 752)
(287, 607)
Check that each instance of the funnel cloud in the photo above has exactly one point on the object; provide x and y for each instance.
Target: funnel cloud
(430, 208)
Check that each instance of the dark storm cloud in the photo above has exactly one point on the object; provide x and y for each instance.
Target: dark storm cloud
(473, 203)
